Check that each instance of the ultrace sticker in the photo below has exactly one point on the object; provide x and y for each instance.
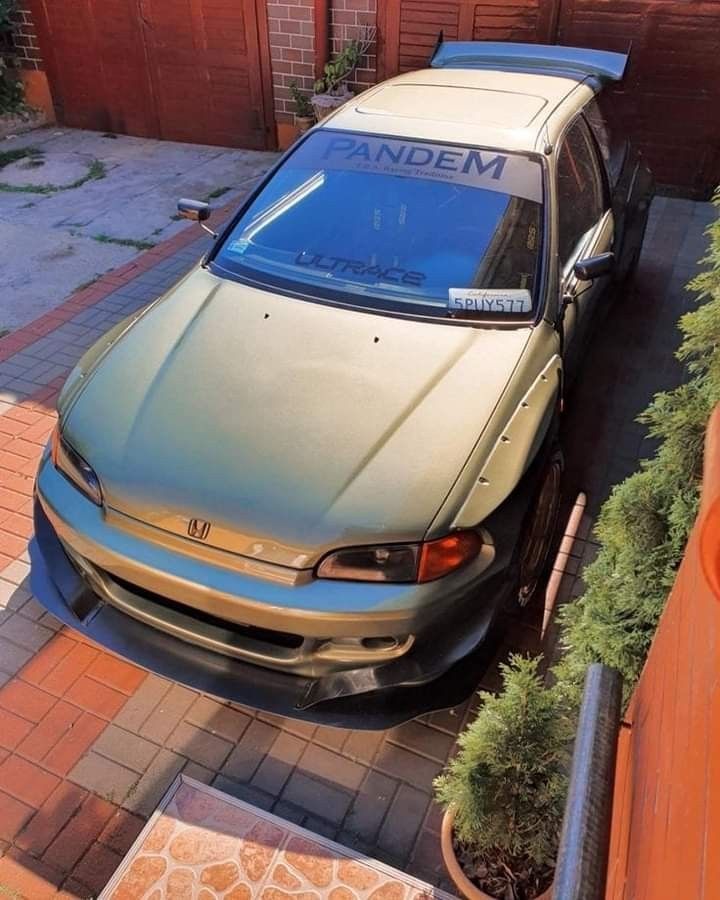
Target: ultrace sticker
(510, 301)
(340, 265)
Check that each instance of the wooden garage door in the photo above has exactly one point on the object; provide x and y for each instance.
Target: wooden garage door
(409, 29)
(669, 100)
(182, 70)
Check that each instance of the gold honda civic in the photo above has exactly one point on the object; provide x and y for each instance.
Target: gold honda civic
(309, 476)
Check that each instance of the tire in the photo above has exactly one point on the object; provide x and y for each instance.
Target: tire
(626, 278)
(539, 532)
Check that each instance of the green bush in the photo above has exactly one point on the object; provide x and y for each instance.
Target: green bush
(341, 67)
(508, 784)
(11, 90)
(645, 523)
(303, 106)
(7, 8)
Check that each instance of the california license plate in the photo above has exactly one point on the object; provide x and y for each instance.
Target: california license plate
(489, 301)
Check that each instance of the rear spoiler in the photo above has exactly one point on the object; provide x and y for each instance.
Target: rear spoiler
(549, 58)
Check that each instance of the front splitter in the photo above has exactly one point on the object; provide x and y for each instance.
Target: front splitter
(61, 590)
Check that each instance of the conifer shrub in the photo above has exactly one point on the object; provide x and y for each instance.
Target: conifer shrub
(645, 523)
(507, 785)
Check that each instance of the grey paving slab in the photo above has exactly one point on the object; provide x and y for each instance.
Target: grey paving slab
(278, 763)
(126, 748)
(51, 243)
(140, 706)
(200, 746)
(168, 714)
(403, 821)
(104, 777)
(145, 794)
(25, 632)
(318, 797)
(12, 656)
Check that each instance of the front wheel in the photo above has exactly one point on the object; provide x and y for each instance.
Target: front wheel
(540, 530)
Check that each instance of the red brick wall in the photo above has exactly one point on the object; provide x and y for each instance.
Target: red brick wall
(292, 45)
(292, 51)
(348, 20)
(25, 39)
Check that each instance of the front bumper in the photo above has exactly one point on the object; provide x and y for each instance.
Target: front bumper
(380, 697)
(440, 670)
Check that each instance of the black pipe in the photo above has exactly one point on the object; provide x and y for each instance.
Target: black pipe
(581, 870)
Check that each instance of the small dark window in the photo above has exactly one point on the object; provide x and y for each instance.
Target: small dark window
(605, 132)
(580, 189)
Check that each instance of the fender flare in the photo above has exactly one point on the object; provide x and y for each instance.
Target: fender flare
(515, 447)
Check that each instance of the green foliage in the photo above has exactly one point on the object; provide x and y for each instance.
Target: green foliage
(123, 242)
(96, 170)
(11, 89)
(644, 525)
(303, 106)
(343, 64)
(509, 778)
(32, 154)
(7, 8)
(218, 192)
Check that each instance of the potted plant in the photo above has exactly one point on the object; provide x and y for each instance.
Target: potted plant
(304, 115)
(504, 791)
(331, 91)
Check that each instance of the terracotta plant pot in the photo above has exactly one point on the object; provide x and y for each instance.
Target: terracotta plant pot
(304, 123)
(455, 871)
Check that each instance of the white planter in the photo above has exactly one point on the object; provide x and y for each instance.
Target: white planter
(324, 104)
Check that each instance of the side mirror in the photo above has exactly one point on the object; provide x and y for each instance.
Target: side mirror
(594, 266)
(195, 210)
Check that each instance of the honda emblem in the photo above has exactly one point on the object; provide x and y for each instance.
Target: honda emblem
(198, 529)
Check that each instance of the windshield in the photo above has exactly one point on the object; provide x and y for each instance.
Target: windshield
(397, 225)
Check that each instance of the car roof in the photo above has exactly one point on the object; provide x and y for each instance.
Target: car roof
(500, 108)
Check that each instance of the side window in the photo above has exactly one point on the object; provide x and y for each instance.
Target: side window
(580, 189)
(612, 148)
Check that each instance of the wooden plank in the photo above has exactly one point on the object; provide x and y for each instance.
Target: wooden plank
(665, 841)
(188, 70)
(389, 45)
(322, 35)
(264, 70)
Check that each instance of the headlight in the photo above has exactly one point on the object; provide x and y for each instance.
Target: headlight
(74, 468)
(402, 562)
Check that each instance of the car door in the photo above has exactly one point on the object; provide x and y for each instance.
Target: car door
(631, 184)
(585, 228)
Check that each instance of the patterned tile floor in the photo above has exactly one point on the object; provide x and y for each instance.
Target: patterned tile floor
(203, 843)
(89, 744)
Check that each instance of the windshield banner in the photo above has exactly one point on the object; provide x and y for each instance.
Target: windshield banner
(486, 169)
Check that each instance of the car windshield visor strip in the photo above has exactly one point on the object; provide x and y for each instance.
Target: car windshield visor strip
(396, 225)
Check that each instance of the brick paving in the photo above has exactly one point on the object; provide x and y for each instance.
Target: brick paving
(90, 743)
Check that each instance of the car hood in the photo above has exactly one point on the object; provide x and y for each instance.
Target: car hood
(291, 427)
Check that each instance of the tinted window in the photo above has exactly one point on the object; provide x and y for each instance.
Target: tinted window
(580, 189)
(394, 224)
(605, 132)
